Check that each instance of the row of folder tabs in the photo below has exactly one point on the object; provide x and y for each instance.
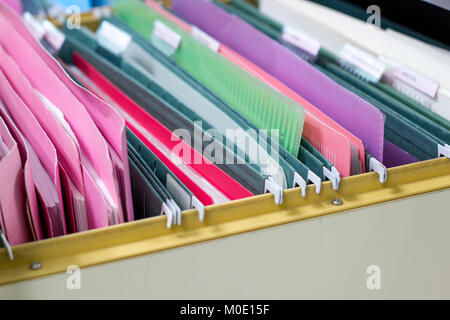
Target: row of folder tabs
(136, 109)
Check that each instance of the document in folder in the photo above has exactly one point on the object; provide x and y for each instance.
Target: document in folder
(62, 133)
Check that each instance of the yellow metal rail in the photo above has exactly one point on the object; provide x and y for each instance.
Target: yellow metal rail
(151, 235)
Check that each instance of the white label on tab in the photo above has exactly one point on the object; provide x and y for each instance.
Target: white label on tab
(363, 60)
(417, 81)
(53, 35)
(100, 12)
(112, 38)
(205, 39)
(166, 34)
(301, 40)
(34, 26)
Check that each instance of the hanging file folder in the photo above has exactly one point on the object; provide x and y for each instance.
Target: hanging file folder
(146, 201)
(325, 138)
(166, 205)
(29, 170)
(109, 123)
(267, 109)
(13, 211)
(42, 156)
(389, 49)
(399, 130)
(282, 69)
(423, 121)
(204, 191)
(183, 197)
(173, 119)
(102, 199)
(68, 155)
(212, 174)
(286, 160)
(234, 191)
(272, 28)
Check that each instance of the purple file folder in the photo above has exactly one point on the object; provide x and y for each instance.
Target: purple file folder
(395, 156)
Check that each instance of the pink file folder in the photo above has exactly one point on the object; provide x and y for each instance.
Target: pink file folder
(33, 214)
(67, 151)
(13, 211)
(14, 4)
(108, 121)
(102, 195)
(42, 146)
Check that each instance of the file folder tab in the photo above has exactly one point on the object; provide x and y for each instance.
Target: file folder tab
(205, 39)
(53, 35)
(416, 80)
(302, 41)
(35, 27)
(164, 38)
(361, 63)
(112, 38)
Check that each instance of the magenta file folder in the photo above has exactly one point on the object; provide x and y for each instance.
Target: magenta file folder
(108, 121)
(67, 150)
(102, 194)
(33, 214)
(13, 211)
(41, 150)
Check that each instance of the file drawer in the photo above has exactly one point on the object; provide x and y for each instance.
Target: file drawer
(381, 234)
(413, 203)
